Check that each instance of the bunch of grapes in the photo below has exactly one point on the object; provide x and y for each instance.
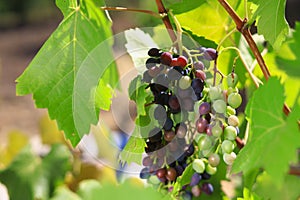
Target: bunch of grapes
(181, 93)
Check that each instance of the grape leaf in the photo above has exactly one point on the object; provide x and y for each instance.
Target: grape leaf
(134, 149)
(271, 22)
(201, 40)
(138, 44)
(65, 73)
(266, 188)
(212, 27)
(138, 93)
(185, 6)
(292, 66)
(271, 133)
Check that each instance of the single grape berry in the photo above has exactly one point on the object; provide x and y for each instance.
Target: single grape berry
(169, 135)
(184, 82)
(210, 169)
(168, 124)
(205, 143)
(201, 125)
(171, 174)
(215, 93)
(173, 74)
(199, 65)
(229, 158)
(219, 106)
(204, 108)
(154, 52)
(234, 100)
(207, 188)
(182, 61)
(160, 113)
(166, 58)
(216, 130)
(174, 103)
(161, 173)
(230, 133)
(198, 165)
(233, 120)
(147, 161)
(151, 62)
(196, 191)
(210, 54)
(145, 174)
(227, 146)
(196, 178)
(146, 77)
(200, 74)
(214, 160)
(154, 71)
(197, 85)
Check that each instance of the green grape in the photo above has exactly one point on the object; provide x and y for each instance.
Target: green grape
(233, 120)
(219, 106)
(204, 143)
(154, 180)
(227, 146)
(232, 90)
(232, 79)
(198, 165)
(210, 169)
(215, 93)
(185, 82)
(214, 159)
(234, 100)
(229, 158)
(198, 137)
(230, 133)
(216, 130)
(230, 110)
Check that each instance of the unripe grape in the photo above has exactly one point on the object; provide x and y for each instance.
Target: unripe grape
(234, 100)
(216, 130)
(214, 159)
(232, 79)
(219, 106)
(233, 120)
(198, 165)
(185, 82)
(231, 90)
(227, 146)
(210, 169)
(205, 143)
(214, 93)
(229, 158)
(230, 133)
(230, 110)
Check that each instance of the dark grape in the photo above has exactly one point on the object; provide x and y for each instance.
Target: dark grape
(160, 113)
(151, 62)
(210, 54)
(196, 177)
(204, 108)
(162, 98)
(197, 85)
(201, 125)
(207, 188)
(171, 174)
(154, 52)
(187, 195)
(174, 103)
(144, 174)
(179, 169)
(205, 175)
(190, 150)
(166, 58)
(184, 93)
(200, 74)
(147, 161)
(155, 135)
(162, 79)
(188, 104)
(154, 71)
(169, 135)
(146, 77)
(168, 124)
(181, 130)
(161, 173)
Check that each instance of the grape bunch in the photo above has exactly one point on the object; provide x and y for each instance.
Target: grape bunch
(195, 121)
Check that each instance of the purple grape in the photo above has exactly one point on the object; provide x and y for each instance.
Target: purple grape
(201, 125)
(196, 178)
(197, 85)
(207, 188)
(210, 54)
(154, 52)
(204, 108)
(144, 174)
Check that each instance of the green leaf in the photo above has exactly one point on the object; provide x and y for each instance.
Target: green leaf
(184, 179)
(138, 44)
(137, 92)
(201, 40)
(211, 26)
(271, 134)
(33, 177)
(185, 6)
(91, 190)
(292, 66)
(267, 189)
(271, 22)
(65, 73)
(134, 149)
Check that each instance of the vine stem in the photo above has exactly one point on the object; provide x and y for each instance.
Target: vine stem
(150, 12)
(165, 18)
(242, 27)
